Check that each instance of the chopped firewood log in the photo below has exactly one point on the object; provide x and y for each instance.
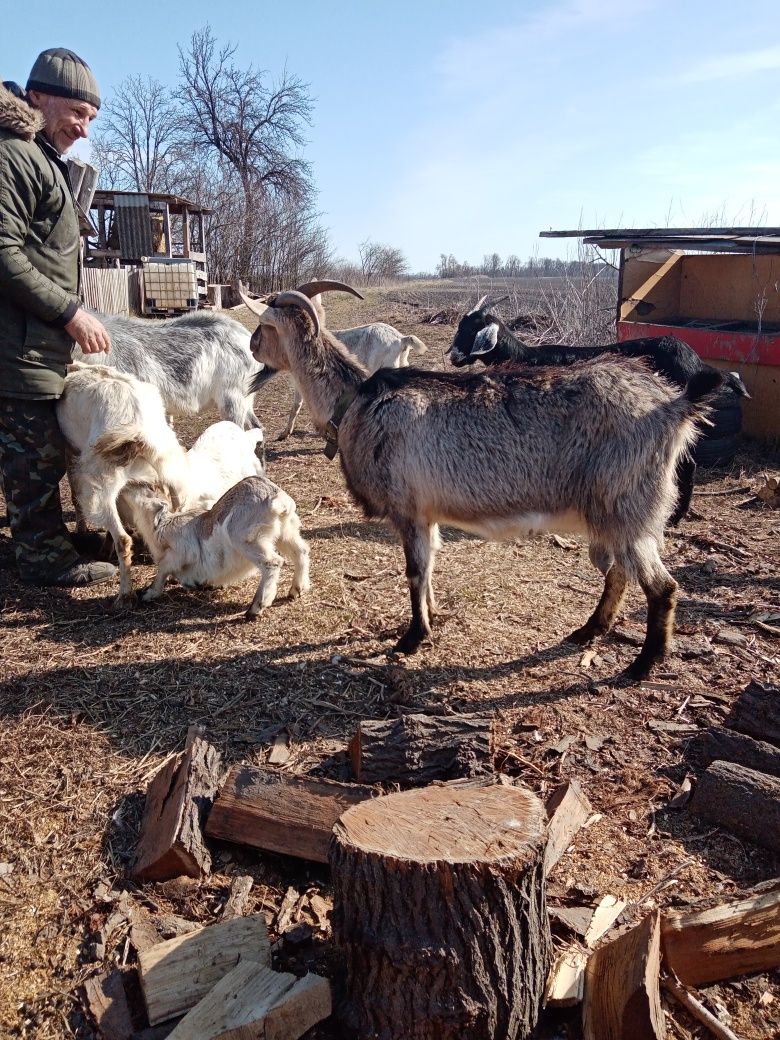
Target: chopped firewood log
(254, 1003)
(741, 800)
(177, 803)
(604, 916)
(178, 973)
(417, 749)
(731, 746)
(736, 938)
(622, 996)
(439, 909)
(567, 809)
(269, 810)
(240, 887)
(106, 1000)
(566, 981)
(757, 712)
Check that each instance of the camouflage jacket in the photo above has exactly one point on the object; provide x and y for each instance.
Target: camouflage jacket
(40, 251)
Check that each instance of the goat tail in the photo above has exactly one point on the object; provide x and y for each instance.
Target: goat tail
(413, 341)
(122, 447)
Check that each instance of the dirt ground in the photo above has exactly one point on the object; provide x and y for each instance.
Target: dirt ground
(93, 700)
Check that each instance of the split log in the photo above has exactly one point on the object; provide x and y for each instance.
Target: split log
(292, 815)
(568, 810)
(757, 712)
(177, 803)
(733, 939)
(178, 973)
(741, 800)
(439, 907)
(566, 981)
(240, 887)
(604, 916)
(417, 749)
(622, 995)
(732, 746)
(254, 1003)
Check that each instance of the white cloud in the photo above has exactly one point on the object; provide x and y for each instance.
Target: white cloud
(733, 66)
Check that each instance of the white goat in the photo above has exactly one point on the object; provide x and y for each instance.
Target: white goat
(197, 361)
(117, 429)
(254, 526)
(376, 346)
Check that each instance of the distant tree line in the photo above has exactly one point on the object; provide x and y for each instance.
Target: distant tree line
(513, 267)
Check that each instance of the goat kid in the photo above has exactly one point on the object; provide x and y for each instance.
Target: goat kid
(253, 526)
(197, 361)
(589, 449)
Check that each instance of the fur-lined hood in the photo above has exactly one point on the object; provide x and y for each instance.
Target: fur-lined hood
(19, 117)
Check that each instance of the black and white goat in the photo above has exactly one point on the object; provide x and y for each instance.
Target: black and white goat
(253, 527)
(482, 336)
(591, 448)
(197, 361)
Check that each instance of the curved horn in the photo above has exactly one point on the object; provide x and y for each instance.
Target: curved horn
(295, 298)
(480, 303)
(312, 288)
(255, 306)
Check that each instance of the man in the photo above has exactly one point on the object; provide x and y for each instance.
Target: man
(40, 310)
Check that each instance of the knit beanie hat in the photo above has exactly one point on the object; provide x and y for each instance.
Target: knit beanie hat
(61, 72)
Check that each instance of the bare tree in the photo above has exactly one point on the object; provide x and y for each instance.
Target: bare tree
(138, 144)
(253, 127)
(380, 262)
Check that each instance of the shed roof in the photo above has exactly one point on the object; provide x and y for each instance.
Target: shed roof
(176, 202)
(707, 239)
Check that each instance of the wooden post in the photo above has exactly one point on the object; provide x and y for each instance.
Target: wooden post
(167, 230)
(185, 222)
(439, 906)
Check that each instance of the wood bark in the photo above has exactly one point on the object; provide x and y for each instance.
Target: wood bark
(439, 907)
(732, 746)
(417, 749)
(567, 809)
(177, 803)
(178, 973)
(622, 996)
(742, 800)
(736, 938)
(292, 815)
(757, 712)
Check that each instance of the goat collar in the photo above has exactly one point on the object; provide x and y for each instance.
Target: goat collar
(332, 425)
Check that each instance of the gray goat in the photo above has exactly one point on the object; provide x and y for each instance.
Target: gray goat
(590, 449)
(197, 361)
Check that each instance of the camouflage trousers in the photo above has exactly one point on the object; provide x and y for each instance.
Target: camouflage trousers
(33, 462)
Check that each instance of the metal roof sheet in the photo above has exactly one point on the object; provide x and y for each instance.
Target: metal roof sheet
(719, 240)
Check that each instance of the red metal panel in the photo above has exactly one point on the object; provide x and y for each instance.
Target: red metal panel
(714, 344)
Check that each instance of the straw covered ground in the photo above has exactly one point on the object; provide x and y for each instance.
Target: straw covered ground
(92, 701)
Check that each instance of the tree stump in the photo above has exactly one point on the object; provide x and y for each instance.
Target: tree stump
(439, 907)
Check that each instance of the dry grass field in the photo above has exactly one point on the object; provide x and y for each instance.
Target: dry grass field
(93, 700)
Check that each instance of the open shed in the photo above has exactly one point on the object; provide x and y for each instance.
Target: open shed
(718, 289)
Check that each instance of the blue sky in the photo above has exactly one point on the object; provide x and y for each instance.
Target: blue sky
(464, 128)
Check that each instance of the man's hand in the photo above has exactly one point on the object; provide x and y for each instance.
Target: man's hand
(90, 334)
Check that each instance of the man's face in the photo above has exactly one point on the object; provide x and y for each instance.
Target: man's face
(67, 120)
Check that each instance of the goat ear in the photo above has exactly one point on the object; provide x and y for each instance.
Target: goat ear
(485, 340)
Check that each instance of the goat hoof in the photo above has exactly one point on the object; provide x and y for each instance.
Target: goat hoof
(409, 643)
(583, 635)
(252, 615)
(634, 674)
(125, 601)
